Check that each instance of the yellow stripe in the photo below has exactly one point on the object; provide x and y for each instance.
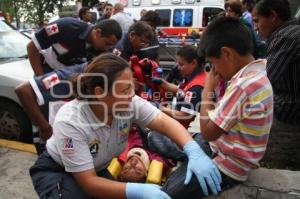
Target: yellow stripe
(252, 131)
(261, 96)
(18, 146)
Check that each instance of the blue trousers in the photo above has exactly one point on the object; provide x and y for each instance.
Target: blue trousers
(51, 181)
(174, 185)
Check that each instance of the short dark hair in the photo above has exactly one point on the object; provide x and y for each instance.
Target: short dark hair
(108, 4)
(107, 64)
(189, 53)
(109, 27)
(141, 28)
(152, 18)
(236, 7)
(82, 11)
(225, 32)
(281, 7)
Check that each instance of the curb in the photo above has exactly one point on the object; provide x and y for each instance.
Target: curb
(18, 146)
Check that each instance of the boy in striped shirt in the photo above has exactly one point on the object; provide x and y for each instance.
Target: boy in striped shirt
(238, 125)
(235, 130)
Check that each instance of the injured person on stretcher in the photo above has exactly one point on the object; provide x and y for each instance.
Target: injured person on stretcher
(138, 163)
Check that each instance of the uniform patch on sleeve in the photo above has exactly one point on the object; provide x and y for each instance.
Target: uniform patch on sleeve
(52, 29)
(51, 81)
(188, 96)
(68, 146)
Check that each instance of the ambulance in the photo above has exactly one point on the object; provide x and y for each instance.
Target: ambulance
(180, 19)
(178, 16)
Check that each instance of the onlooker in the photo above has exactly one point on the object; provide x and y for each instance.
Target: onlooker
(121, 17)
(139, 36)
(68, 41)
(107, 12)
(85, 14)
(274, 22)
(243, 116)
(100, 8)
(247, 6)
(143, 12)
(151, 52)
(234, 9)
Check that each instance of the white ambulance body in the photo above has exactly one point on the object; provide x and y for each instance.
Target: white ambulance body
(179, 17)
(176, 14)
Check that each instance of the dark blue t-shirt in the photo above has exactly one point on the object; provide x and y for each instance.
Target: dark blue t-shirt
(55, 86)
(67, 36)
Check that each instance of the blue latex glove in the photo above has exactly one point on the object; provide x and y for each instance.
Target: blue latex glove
(156, 80)
(144, 191)
(203, 167)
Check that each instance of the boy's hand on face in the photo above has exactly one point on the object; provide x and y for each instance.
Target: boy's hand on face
(213, 79)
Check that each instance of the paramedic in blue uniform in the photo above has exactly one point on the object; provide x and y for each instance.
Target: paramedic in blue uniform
(138, 37)
(38, 96)
(69, 41)
(93, 128)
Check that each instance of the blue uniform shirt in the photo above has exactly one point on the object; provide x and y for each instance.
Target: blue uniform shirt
(67, 36)
(126, 51)
(55, 86)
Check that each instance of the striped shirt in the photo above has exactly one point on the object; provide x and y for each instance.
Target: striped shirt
(283, 69)
(245, 112)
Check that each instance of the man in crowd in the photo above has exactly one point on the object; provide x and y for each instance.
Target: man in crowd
(107, 11)
(274, 22)
(85, 14)
(121, 17)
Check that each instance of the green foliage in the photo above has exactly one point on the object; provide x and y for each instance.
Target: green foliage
(39, 11)
(32, 11)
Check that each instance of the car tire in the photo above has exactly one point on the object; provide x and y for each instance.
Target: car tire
(14, 123)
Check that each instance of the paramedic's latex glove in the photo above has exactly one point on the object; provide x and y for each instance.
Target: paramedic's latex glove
(144, 191)
(203, 167)
(157, 80)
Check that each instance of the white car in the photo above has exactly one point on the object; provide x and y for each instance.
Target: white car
(14, 69)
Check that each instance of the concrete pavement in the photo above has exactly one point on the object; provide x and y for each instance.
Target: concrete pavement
(15, 182)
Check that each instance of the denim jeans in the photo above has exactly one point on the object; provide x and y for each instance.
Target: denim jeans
(51, 181)
(174, 185)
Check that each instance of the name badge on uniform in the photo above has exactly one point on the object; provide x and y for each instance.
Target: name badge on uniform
(188, 96)
(51, 81)
(51, 29)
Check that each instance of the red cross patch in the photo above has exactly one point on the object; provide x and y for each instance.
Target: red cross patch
(188, 96)
(51, 29)
(51, 81)
(117, 52)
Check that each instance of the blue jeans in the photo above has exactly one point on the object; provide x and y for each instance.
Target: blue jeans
(51, 181)
(174, 185)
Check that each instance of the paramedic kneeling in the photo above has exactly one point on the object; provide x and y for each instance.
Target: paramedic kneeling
(93, 128)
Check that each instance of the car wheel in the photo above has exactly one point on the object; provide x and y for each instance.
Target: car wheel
(14, 123)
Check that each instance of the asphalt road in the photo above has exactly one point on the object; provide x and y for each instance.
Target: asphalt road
(15, 182)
